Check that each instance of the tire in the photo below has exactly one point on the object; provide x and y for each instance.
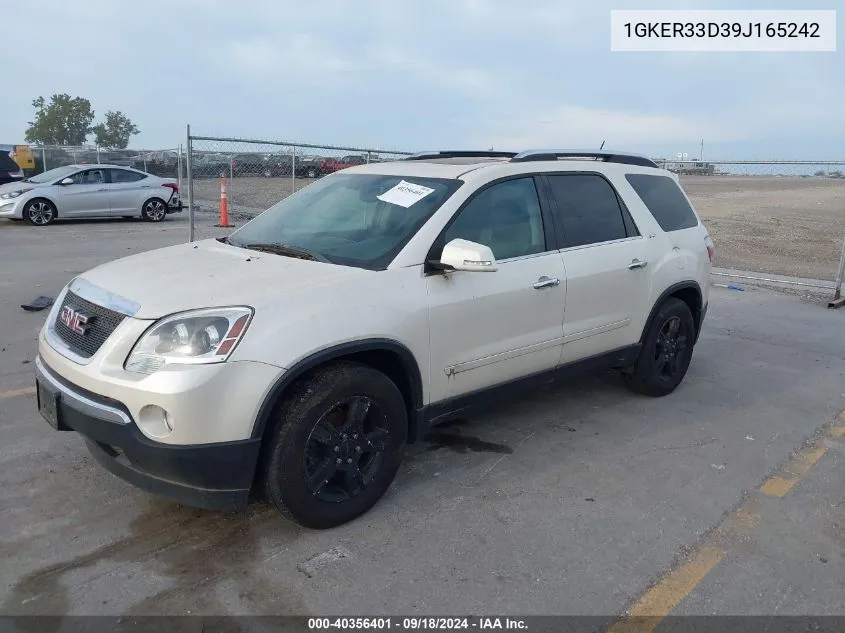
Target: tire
(40, 212)
(311, 173)
(349, 471)
(666, 352)
(154, 210)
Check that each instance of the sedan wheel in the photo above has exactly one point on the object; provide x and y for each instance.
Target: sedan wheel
(40, 213)
(154, 210)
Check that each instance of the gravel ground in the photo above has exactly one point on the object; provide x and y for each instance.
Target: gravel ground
(781, 225)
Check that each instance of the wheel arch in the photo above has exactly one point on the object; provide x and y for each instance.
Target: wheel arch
(40, 197)
(386, 355)
(687, 291)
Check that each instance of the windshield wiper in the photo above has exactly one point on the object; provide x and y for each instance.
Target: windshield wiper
(286, 250)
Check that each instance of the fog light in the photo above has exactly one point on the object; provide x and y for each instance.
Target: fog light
(155, 421)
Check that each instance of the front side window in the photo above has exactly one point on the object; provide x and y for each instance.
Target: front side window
(505, 216)
(359, 220)
(90, 177)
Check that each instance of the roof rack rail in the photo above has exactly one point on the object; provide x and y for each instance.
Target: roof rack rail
(608, 157)
(460, 154)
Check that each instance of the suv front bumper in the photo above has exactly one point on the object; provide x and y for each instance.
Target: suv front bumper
(214, 476)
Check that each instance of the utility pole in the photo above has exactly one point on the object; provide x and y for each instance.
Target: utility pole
(701, 151)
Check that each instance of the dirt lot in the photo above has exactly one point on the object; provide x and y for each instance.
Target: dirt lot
(781, 225)
(580, 499)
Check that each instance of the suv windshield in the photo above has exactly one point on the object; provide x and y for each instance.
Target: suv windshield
(359, 220)
(52, 175)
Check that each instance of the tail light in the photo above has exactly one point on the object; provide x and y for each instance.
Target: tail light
(711, 248)
(172, 185)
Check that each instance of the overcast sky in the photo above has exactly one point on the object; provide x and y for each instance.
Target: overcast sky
(418, 74)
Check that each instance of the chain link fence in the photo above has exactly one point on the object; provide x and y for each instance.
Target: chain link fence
(160, 162)
(778, 220)
(260, 173)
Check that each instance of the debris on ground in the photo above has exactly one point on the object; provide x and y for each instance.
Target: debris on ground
(39, 303)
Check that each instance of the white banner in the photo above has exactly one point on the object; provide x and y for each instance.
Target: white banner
(723, 31)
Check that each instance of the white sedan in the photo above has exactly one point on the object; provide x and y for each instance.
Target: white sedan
(77, 191)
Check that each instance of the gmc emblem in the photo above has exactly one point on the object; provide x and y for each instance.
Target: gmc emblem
(76, 321)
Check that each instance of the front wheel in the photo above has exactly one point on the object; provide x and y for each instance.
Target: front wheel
(666, 352)
(337, 446)
(154, 210)
(39, 212)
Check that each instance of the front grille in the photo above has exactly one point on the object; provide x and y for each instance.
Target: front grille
(99, 326)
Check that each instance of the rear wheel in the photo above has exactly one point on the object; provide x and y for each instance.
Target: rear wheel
(154, 210)
(39, 212)
(666, 352)
(337, 446)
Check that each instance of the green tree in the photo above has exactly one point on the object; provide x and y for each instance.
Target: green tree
(65, 120)
(115, 131)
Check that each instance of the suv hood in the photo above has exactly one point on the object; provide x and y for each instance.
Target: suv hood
(209, 273)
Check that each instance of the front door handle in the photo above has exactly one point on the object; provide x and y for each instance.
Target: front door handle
(636, 263)
(545, 282)
(103, 189)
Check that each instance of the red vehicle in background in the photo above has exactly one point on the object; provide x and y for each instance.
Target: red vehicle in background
(331, 165)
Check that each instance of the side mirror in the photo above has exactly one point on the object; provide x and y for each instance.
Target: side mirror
(66, 181)
(467, 256)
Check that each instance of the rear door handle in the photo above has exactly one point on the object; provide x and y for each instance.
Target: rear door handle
(637, 264)
(545, 282)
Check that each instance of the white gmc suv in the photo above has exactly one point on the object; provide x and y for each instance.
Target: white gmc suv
(303, 351)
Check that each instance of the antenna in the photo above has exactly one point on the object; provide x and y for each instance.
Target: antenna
(602, 145)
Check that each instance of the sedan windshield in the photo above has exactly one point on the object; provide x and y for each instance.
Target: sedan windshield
(53, 175)
(359, 220)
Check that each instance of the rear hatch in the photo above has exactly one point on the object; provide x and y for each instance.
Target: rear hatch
(10, 171)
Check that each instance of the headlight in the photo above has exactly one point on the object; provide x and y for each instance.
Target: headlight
(13, 194)
(198, 337)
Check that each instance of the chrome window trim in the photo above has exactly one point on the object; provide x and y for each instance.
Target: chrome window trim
(78, 401)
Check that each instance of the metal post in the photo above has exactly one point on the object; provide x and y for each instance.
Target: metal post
(231, 179)
(98, 154)
(293, 170)
(43, 158)
(368, 157)
(179, 169)
(190, 189)
(145, 162)
(838, 300)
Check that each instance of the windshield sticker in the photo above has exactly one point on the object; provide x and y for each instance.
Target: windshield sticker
(405, 194)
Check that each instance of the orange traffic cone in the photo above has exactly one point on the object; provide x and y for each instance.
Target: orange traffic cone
(224, 205)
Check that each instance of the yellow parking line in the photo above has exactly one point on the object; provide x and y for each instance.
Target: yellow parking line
(780, 485)
(838, 430)
(26, 391)
(659, 601)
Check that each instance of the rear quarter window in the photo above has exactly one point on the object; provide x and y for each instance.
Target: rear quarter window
(664, 198)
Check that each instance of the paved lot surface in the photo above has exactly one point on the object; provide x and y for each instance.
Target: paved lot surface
(582, 499)
(782, 225)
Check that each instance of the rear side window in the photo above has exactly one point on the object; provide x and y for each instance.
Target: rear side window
(588, 210)
(665, 200)
(124, 175)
